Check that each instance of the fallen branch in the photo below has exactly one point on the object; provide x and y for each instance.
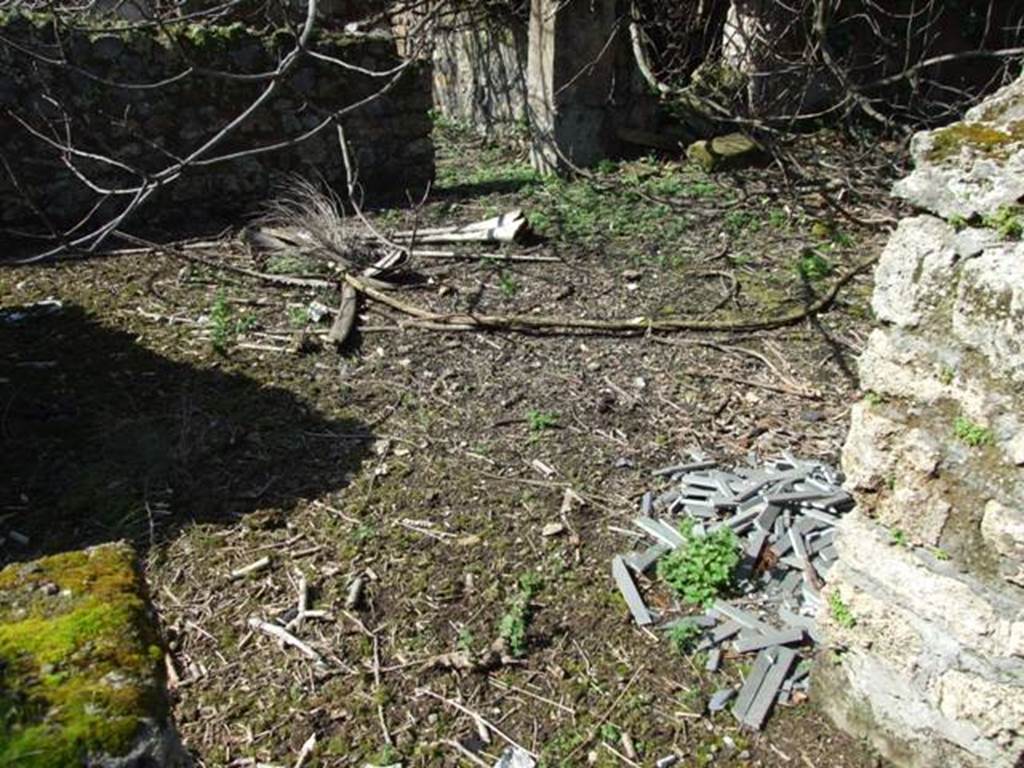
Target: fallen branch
(620, 325)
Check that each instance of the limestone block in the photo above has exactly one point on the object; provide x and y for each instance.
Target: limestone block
(914, 271)
(959, 609)
(867, 452)
(996, 709)
(988, 315)
(905, 365)
(79, 642)
(1003, 527)
(974, 167)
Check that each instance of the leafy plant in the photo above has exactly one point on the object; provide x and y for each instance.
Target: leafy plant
(298, 316)
(514, 623)
(703, 567)
(873, 398)
(465, 640)
(220, 322)
(972, 434)
(1008, 221)
(898, 537)
(940, 554)
(682, 635)
(813, 266)
(957, 222)
(610, 733)
(946, 374)
(841, 611)
(539, 421)
(508, 284)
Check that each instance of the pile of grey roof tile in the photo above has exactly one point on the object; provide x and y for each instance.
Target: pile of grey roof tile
(784, 514)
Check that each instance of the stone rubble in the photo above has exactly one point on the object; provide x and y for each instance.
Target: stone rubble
(784, 515)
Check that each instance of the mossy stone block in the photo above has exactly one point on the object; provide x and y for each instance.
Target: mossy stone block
(734, 150)
(81, 672)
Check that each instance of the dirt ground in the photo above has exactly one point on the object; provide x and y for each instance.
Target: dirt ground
(196, 412)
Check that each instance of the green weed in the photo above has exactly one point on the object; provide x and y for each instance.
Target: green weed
(516, 621)
(220, 322)
(898, 537)
(873, 398)
(1008, 221)
(841, 611)
(298, 316)
(683, 635)
(972, 434)
(812, 266)
(539, 421)
(703, 568)
(508, 284)
(958, 222)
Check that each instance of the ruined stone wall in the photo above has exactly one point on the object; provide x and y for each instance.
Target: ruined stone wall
(480, 73)
(390, 136)
(931, 568)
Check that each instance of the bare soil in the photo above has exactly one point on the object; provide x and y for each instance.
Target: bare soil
(196, 412)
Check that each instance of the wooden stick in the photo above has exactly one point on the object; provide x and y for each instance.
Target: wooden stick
(467, 711)
(284, 636)
(245, 570)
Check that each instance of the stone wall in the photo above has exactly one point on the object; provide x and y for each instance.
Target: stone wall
(480, 73)
(932, 563)
(390, 136)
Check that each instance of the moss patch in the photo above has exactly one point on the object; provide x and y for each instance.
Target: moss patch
(79, 659)
(982, 137)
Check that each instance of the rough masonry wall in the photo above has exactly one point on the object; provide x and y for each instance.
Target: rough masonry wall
(390, 136)
(932, 563)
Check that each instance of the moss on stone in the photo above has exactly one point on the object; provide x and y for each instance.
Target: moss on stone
(79, 658)
(981, 137)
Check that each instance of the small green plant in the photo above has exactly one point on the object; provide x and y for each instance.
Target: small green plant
(508, 284)
(958, 222)
(298, 316)
(465, 640)
(682, 636)
(778, 218)
(873, 398)
(813, 266)
(220, 322)
(940, 554)
(946, 374)
(516, 620)
(539, 421)
(841, 611)
(1008, 221)
(898, 537)
(972, 434)
(704, 567)
(609, 733)
(737, 222)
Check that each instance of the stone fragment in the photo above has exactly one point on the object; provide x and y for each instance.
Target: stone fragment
(630, 594)
(734, 150)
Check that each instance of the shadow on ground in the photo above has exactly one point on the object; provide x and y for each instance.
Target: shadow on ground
(102, 439)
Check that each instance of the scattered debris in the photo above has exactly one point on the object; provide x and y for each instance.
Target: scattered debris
(784, 516)
(514, 757)
(254, 567)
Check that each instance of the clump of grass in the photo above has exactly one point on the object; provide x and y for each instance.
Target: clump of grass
(508, 284)
(1008, 221)
(841, 611)
(683, 635)
(516, 621)
(813, 266)
(972, 434)
(539, 421)
(704, 567)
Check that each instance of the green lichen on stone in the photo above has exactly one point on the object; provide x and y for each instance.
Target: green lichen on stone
(984, 138)
(79, 659)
